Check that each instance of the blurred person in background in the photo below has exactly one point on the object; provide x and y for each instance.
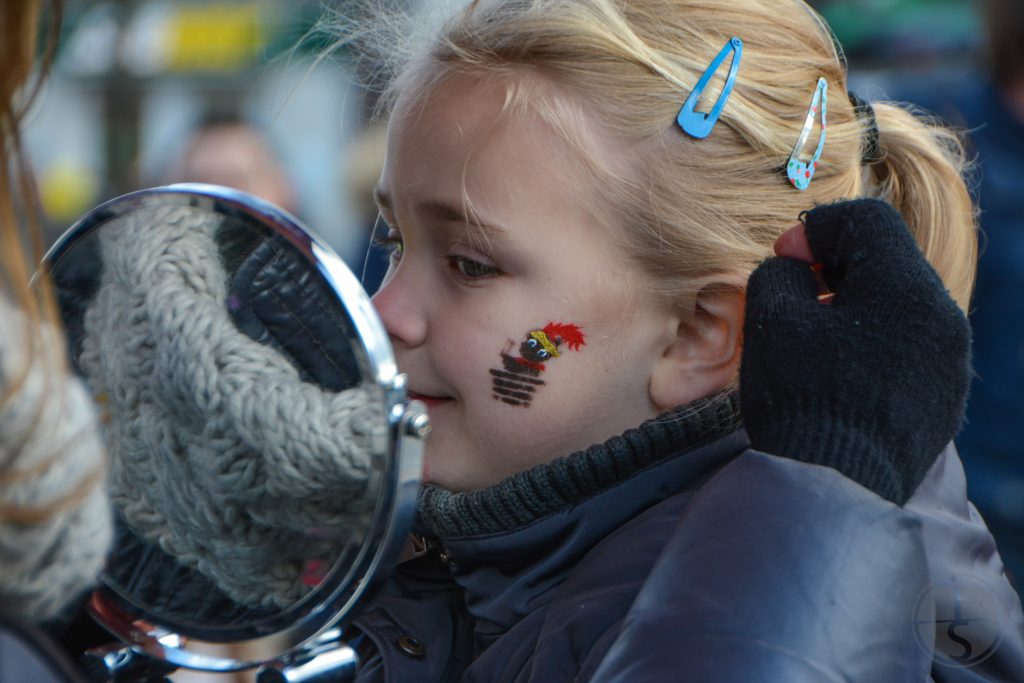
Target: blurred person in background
(54, 516)
(224, 149)
(990, 106)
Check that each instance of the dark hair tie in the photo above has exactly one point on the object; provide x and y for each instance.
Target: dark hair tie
(872, 144)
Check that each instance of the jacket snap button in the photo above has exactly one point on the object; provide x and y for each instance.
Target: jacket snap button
(411, 646)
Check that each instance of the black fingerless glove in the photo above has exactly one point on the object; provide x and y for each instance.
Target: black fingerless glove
(873, 384)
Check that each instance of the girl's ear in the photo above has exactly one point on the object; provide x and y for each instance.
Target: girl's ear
(703, 355)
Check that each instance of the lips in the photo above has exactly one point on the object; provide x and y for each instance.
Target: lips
(430, 401)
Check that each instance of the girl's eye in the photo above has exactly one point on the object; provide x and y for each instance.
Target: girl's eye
(469, 269)
(392, 244)
(543, 355)
(532, 343)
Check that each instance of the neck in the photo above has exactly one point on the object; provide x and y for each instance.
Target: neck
(527, 497)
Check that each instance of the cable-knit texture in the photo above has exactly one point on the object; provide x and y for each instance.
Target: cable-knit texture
(222, 455)
(50, 455)
(546, 489)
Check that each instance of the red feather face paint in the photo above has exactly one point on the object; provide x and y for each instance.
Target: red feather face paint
(518, 379)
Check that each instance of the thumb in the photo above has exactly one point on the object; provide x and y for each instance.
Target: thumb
(793, 244)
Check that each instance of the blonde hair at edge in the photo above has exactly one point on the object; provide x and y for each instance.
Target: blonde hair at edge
(695, 210)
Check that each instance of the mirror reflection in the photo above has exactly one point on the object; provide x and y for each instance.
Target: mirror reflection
(247, 447)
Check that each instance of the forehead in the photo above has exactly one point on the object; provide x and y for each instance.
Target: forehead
(491, 142)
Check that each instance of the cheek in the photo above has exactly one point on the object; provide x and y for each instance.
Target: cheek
(470, 346)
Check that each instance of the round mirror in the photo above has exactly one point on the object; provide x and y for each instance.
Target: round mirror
(264, 458)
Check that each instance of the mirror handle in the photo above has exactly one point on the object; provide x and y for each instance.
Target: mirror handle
(119, 664)
(336, 665)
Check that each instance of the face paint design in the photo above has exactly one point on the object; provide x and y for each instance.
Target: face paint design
(517, 381)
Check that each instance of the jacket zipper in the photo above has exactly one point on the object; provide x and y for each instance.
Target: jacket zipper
(419, 545)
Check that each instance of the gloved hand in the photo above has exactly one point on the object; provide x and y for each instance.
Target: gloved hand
(872, 384)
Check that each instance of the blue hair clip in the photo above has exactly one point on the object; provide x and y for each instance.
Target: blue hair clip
(801, 173)
(700, 124)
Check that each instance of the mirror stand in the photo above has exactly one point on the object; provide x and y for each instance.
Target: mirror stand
(326, 659)
(117, 663)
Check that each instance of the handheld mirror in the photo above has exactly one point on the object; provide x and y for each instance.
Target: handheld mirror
(264, 458)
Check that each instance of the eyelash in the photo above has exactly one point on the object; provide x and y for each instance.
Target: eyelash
(394, 247)
(389, 243)
(460, 263)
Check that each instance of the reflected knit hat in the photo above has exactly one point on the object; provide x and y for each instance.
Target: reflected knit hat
(222, 454)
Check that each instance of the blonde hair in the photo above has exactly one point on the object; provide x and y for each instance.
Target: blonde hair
(696, 210)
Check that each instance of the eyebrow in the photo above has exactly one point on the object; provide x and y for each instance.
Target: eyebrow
(441, 211)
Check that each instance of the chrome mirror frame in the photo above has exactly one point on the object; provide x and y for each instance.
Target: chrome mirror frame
(408, 426)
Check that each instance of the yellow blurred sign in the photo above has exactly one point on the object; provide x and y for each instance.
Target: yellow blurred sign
(215, 36)
(67, 189)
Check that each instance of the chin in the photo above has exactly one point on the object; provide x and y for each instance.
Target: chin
(448, 475)
(434, 472)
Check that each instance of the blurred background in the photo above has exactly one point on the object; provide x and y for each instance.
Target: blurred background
(148, 92)
(225, 91)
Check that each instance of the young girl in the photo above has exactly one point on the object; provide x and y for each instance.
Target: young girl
(573, 225)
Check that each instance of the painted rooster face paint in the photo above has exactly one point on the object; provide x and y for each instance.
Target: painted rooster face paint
(517, 380)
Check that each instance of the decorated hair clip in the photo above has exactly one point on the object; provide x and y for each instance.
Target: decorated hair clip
(700, 124)
(801, 173)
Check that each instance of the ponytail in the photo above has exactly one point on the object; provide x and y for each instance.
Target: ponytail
(921, 173)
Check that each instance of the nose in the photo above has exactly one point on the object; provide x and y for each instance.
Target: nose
(399, 306)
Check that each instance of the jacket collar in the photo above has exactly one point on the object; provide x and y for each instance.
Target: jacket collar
(512, 545)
